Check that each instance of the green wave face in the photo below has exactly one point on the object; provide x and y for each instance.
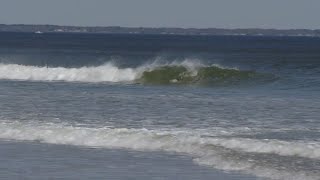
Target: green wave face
(205, 75)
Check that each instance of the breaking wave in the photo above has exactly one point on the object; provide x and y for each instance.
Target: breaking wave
(222, 153)
(185, 72)
(104, 73)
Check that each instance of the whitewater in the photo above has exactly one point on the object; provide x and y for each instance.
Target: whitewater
(104, 73)
(205, 149)
(108, 72)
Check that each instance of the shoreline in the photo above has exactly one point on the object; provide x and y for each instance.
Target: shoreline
(39, 29)
(34, 160)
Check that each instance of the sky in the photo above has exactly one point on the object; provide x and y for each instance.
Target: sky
(279, 14)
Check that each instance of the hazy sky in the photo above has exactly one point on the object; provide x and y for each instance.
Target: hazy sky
(164, 13)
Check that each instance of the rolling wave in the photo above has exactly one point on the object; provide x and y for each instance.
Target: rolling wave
(174, 73)
(202, 75)
(222, 153)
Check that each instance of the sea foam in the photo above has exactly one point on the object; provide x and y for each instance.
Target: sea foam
(104, 73)
(206, 150)
(185, 72)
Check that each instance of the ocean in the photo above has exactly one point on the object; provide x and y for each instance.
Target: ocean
(134, 106)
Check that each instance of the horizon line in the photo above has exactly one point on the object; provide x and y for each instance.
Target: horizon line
(160, 27)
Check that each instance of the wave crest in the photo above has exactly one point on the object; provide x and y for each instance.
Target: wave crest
(202, 75)
(186, 72)
(104, 73)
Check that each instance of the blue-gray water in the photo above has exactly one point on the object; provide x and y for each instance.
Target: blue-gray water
(159, 107)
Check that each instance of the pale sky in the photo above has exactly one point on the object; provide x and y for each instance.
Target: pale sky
(279, 14)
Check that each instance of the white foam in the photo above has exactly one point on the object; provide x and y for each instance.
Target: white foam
(252, 168)
(206, 150)
(283, 148)
(104, 73)
(152, 139)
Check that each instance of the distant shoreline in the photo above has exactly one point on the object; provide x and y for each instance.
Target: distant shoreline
(148, 30)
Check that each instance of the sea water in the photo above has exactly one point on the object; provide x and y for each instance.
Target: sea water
(117, 106)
